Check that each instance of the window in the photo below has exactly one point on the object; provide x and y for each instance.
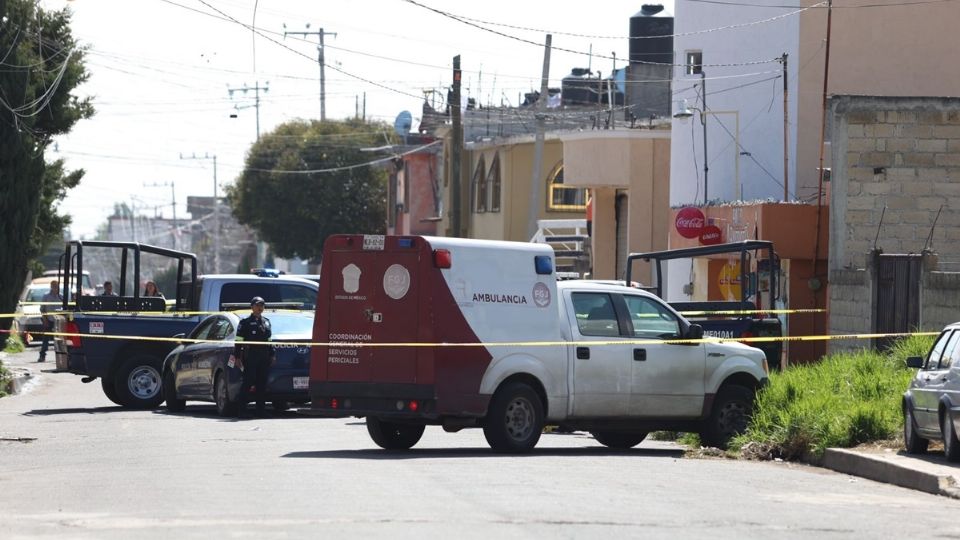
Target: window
(561, 198)
(493, 181)
(950, 352)
(694, 62)
(202, 331)
(651, 320)
(221, 329)
(595, 314)
(299, 294)
(236, 293)
(933, 359)
(480, 187)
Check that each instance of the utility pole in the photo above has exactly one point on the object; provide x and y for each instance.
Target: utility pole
(216, 210)
(173, 206)
(613, 74)
(786, 131)
(256, 99)
(320, 59)
(456, 147)
(703, 122)
(535, 184)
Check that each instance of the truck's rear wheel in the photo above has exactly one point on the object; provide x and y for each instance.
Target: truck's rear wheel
(393, 436)
(514, 420)
(618, 439)
(109, 390)
(138, 382)
(730, 416)
(174, 403)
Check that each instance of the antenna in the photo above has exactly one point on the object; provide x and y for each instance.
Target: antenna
(926, 245)
(878, 227)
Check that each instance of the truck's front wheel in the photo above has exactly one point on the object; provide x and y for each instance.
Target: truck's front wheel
(622, 440)
(730, 416)
(392, 436)
(137, 382)
(110, 390)
(514, 420)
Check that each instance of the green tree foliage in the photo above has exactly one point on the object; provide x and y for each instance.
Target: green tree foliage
(42, 65)
(296, 212)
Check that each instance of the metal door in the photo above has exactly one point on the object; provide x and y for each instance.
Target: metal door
(623, 228)
(897, 308)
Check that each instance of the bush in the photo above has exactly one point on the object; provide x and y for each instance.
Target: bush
(13, 344)
(844, 400)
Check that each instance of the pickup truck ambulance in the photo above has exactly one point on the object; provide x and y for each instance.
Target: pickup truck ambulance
(472, 333)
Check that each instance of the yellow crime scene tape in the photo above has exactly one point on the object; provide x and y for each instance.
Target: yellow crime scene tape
(765, 339)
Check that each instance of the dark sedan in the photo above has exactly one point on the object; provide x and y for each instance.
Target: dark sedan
(931, 405)
(199, 371)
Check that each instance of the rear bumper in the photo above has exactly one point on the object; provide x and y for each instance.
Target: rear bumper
(387, 400)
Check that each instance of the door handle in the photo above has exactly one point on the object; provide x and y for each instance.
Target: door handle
(583, 353)
(640, 355)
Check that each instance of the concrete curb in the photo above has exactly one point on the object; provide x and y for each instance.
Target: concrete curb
(919, 475)
(20, 378)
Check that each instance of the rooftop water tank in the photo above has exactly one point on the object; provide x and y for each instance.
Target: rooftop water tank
(652, 20)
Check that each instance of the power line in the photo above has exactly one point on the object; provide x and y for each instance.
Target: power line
(820, 6)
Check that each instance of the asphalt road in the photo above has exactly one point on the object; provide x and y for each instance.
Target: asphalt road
(85, 468)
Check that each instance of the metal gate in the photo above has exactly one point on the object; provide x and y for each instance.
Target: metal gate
(623, 228)
(897, 291)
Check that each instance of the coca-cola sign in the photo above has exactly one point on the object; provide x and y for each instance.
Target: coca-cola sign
(710, 235)
(690, 222)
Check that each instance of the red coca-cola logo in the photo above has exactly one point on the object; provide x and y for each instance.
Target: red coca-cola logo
(690, 222)
(710, 235)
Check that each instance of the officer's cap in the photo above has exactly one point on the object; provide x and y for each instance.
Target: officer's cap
(257, 300)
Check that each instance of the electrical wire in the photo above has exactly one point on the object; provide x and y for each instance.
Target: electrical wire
(861, 6)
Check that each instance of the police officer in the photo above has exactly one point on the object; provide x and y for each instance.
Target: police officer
(254, 359)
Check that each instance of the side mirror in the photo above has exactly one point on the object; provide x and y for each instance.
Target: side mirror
(914, 361)
(178, 337)
(695, 331)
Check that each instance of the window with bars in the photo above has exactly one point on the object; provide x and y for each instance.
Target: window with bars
(493, 182)
(480, 187)
(694, 62)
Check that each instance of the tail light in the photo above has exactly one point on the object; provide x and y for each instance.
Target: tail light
(74, 339)
(334, 403)
(747, 334)
(442, 258)
(413, 406)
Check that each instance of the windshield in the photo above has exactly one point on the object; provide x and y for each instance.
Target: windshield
(287, 323)
(35, 294)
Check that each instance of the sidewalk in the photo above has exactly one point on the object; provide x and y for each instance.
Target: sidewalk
(23, 367)
(930, 472)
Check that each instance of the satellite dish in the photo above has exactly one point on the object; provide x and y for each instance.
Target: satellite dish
(403, 123)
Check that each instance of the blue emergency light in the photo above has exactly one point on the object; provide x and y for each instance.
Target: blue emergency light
(405, 242)
(543, 264)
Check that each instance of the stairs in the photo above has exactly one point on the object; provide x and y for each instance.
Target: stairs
(570, 243)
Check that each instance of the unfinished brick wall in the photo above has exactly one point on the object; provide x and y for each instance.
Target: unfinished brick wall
(898, 158)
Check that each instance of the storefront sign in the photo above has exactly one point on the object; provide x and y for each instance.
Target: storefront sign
(690, 222)
(711, 235)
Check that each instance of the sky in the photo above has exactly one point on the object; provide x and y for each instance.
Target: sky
(161, 72)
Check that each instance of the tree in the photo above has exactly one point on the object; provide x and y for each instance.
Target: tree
(296, 212)
(42, 65)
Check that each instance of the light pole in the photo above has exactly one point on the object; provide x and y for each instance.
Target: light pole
(256, 99)
(216, 210)
(320, 60)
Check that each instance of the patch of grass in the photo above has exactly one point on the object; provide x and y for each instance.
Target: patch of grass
(845, 400)
(5, 377)
(14, 344)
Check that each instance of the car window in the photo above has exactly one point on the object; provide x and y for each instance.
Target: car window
(950, 351)
(933, 359)
(300, 294)
(290, 323)
(595, 314)
(651, 319)
(36, 295)
(221, 329)
(203, 329)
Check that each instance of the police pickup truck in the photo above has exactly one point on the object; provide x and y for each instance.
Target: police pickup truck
(122, 340)
(471, 333)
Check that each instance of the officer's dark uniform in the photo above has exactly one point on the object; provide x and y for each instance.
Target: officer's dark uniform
(256, 358)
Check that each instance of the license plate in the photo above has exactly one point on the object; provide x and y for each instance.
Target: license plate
(301, 383)
(373, 242)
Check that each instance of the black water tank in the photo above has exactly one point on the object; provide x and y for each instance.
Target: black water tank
(580, 87)
(652, 20)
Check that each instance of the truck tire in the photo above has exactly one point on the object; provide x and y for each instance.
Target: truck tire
(912, 441)
(174, 403)
(138, 383)
(109, 390)
(514, 419)
(226, 406)
(618, 439)
(729, 417)
(393, 436)
(951, 444)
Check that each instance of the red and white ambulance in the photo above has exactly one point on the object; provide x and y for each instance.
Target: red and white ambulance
(476, 333)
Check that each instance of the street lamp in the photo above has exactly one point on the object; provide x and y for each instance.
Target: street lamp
(686, 111)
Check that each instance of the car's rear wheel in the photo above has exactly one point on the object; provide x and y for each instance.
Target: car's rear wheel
(514, 419)
(394, 436)
(221, 390)
(730, 416)
(174, 403)
(951, 446)
(914, 443)
(618, 439)
(109, 390)
(138, 382)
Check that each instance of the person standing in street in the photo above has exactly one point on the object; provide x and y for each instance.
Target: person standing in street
(48, 303)
(254, 359)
